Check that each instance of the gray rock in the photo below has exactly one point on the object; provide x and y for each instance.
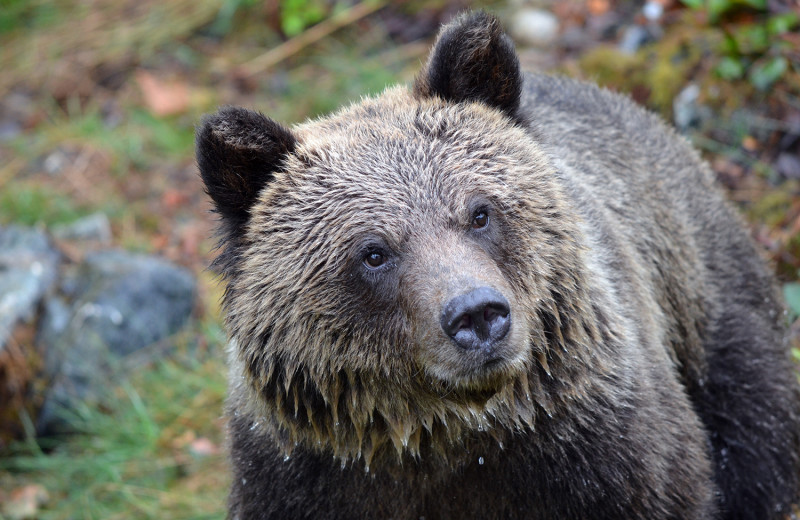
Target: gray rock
(9, 130)
(120, 304)
(653, 11)
(53, 323)
(95, 227)
(633, 38)
(133, 300)
(16, 108)
(56, 161)
(534, 27)
(788, 165)
(685, 109)
(28, 269)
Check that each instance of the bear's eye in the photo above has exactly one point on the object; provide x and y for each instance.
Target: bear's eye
(480, 220)
(374, 259)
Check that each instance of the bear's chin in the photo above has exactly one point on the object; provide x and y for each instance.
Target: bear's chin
(479, 374)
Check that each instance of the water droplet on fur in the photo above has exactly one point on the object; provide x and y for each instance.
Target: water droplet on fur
(723, 463)
(244, 481)
(254, 425)
(286, 458)
(480, 461)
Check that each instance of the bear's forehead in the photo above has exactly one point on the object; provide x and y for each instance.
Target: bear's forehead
(393, 165)
(395, 144)
(396, 122)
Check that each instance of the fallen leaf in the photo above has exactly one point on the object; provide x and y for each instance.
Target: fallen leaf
(24, 502)
(203, 447)
(598, 7)
(163, 98)
(172, 199)
(750, 144)
(159, 241)
(184, 439)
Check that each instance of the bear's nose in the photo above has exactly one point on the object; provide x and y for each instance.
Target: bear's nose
(477, 319)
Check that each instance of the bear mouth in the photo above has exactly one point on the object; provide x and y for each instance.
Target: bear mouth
(479, 374)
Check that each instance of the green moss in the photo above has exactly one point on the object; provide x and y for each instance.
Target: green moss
(772, 207)
(656, 73)
(611, 68)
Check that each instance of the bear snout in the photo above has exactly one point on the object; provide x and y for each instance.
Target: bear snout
(477, 320)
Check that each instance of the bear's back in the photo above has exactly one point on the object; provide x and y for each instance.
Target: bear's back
(687, 273)
(652, 205)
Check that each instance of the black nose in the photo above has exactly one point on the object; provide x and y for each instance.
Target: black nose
(477, 319)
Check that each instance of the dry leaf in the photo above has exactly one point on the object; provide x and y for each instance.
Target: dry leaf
(750, 143)
(172, 199)
(184, 439)
(24, 502)
(598, 7)
(203, 447)
(163, 98)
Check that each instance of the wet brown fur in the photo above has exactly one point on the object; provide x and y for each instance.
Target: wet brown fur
(644, 375)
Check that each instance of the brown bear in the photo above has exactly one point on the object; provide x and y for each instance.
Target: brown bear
(493, 296)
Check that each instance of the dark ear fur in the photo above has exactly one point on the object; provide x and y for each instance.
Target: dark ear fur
(238, 151)
(473, 60)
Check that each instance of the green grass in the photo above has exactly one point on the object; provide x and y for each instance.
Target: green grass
(138, 141)
(27, 14)
(135, 459)
(169, 138)
(36, 205)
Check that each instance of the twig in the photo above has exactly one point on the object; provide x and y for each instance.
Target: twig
(290, 47)
(10, 170)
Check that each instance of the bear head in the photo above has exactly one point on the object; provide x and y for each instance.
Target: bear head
(402, 271)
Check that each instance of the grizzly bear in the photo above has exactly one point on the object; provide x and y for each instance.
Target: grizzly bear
(493, 295)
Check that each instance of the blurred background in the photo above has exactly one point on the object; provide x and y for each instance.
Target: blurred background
(112, 373)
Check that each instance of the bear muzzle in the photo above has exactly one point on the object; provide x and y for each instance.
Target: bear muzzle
(477, 320)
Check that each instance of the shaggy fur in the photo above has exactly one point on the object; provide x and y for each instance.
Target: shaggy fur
(645, 372)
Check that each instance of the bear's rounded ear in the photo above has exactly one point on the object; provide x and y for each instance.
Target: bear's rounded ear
(238, 151)
(473, 60)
